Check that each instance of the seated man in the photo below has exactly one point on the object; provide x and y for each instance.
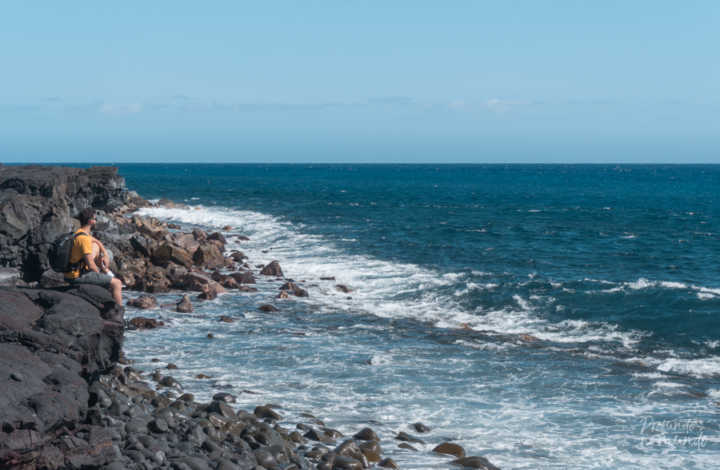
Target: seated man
(85, 255)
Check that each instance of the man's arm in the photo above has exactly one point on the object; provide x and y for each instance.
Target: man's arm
(90, 263)
(104, 259)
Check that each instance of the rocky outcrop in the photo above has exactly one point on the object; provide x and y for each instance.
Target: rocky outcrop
(37, 204)
(53, 345)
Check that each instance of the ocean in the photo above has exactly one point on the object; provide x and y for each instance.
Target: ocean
(543, 316)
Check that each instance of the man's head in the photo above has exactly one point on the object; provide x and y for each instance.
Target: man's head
(86, 216)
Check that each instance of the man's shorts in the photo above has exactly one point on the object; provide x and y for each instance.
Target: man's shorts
(91, 277)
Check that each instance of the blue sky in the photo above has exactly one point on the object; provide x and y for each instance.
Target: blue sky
(338, 81)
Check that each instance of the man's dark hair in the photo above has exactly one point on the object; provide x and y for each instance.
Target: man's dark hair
(85, 215)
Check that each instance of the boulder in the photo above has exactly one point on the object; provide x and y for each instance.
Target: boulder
(343, 288)
(475, 462)
(237, 256)
(366, 434)
(243, 277)
(185, 305)
(420, 427)
(210, 291)
(450, 448)
(272, 269)
(143, 302)
(143, 323)
(294, 289)
(208, 256)
(403, 436)
(167, 252)
(195, 281)
(267, 308)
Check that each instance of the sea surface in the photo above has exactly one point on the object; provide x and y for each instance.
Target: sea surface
(543, 316)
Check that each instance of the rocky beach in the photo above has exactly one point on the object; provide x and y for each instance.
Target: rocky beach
(69, 398)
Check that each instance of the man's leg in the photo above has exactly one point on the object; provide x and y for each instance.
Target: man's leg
(116, 290)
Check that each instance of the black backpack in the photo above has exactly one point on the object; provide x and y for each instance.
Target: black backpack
(59, 254)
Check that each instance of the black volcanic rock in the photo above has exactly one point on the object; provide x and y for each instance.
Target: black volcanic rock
(37, 204)
(51, 345)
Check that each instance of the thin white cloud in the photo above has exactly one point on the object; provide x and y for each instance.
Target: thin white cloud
(120, 109)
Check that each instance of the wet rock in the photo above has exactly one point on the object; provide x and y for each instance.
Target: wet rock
(403, 436)
(283, 295)
(227, 228)
(247, 289)
(243, 277)
(202, 376)
(168, 381)
(327, 278)
(450, 448)
(314, 435)
(343, 288)
(266, 412)
(242, 238)
(475, 462)
(267, 308)
(185, 305)
(294, 289)
(237, 256)
(187, 397)
(210, 336)
(342, 462)
(145, 301)
(158, 425)
(210, 291)
(167, 252)
(225, 319)
(222, 408)
(208, 256)
(350, 448)
(171, 366)
(371, 450)
(224, 396)
(154, 280)
(388, 463)
(229, 282)
(420, 427)
(272, 269)
(405, 445)
(143, 323)
(366, 434)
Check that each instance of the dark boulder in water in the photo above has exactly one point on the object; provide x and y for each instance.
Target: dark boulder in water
(475, 462)
(421, 428)
(142, 323)
(294, 289)
(272, 269)
(185, 305)
(450, 448)
(403, 436)
(243, 277)
(145, 301)
(265, 411)
(343, 288)
(267, 308)
(366, 434)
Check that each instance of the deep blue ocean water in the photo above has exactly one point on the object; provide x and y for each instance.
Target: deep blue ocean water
(545, 316)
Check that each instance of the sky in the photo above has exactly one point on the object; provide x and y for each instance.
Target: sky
(360, 81)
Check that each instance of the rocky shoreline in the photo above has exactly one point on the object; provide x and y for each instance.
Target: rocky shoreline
(68, 399)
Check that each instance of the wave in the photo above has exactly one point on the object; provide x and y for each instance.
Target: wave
(396, 290)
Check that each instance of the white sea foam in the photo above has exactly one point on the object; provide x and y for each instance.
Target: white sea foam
(381, 287)
(703, 367)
